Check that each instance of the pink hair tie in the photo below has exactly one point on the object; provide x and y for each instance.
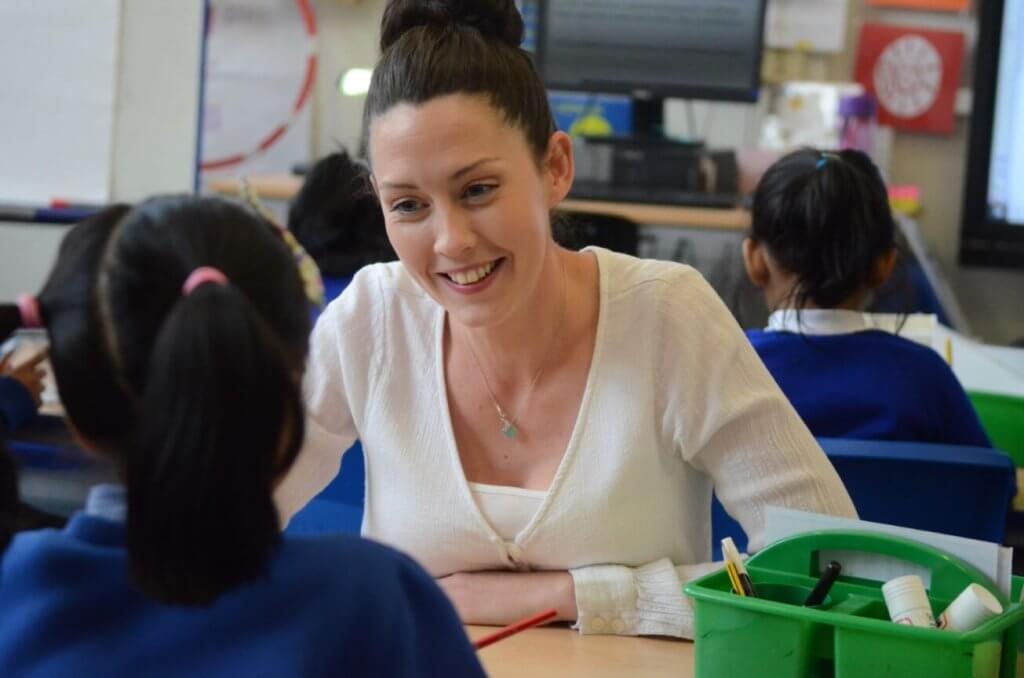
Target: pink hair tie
(201, 276)
(28, 306)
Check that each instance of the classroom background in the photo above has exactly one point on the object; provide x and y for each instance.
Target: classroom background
(274, 96)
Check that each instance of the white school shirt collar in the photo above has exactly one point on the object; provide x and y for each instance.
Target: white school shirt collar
(821, 321)
(108, 501)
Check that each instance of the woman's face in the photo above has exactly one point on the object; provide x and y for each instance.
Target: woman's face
(466, 205)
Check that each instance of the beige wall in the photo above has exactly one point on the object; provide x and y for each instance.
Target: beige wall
(991, 298)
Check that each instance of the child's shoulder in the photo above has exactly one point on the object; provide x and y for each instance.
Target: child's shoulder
(349, 564)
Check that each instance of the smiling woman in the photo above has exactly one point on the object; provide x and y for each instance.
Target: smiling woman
(542, 428)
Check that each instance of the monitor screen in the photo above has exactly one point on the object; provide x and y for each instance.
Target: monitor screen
(694, 49)
(993, 226)
(1006, 168)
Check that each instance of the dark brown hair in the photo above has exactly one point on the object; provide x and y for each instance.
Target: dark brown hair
(433, 48)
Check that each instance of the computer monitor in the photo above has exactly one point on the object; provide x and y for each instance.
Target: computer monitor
(992, 231)
(652, 50)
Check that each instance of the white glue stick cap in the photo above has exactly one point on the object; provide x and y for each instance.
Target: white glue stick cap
(972, 608)
(908, 602)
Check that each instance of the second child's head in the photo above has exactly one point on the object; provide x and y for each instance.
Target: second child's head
(178, 337)
(337, 217)
(823, 235)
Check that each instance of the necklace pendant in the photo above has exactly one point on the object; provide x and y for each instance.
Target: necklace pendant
(509, 430)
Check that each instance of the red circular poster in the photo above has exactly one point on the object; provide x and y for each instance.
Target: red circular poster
(913, 73)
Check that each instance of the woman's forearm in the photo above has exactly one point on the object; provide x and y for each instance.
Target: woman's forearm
(499, 598)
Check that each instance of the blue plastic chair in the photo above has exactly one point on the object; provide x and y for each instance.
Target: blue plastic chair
(339, 507)
(953, 489)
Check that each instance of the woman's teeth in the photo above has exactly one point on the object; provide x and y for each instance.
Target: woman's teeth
(472, 276)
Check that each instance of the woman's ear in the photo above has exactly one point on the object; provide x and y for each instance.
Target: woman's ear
(754, 261)
(884, 266)
(559, 168)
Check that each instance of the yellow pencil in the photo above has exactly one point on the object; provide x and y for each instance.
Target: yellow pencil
(949, 351)
(734, 579)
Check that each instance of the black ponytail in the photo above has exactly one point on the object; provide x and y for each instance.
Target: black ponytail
(214, 378)
(824, 217)
(218, 393)
(196, 397)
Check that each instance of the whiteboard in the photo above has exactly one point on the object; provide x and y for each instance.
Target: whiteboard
(58, 89)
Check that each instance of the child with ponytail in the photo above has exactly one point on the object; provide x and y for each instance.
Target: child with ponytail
(822, 241)
(178, 336)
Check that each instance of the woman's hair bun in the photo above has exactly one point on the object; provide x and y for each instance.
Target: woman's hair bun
(495, 19)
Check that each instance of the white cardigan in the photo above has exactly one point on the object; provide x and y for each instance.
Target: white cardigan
(676, 403)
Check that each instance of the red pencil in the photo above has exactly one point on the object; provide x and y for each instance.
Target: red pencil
(515, 628)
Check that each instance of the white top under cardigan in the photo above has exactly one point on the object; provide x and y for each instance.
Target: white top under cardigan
(676, 403)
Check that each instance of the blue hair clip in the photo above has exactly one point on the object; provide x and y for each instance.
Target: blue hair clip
(825, 157)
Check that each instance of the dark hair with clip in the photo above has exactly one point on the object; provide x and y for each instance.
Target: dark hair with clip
(824, 217)
(433, 48)
(196, 396)
(338, 219)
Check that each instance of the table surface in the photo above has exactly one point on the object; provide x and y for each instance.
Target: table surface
(560, 651)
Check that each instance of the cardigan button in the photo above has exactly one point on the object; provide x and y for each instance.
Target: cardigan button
(598, 624)
(618, 626)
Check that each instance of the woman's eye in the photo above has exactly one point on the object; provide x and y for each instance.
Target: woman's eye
(479, 190)
(406, 206)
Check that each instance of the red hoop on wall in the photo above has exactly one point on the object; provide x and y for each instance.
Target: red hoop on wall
(306, 89)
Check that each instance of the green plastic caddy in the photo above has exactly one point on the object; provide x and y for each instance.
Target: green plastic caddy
(850, 634)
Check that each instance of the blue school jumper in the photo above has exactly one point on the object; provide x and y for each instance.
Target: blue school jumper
(871, 385)
(848, 380)
(328, 606)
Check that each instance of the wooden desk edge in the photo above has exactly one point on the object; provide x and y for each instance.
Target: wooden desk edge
(551, 651)
(736, 219)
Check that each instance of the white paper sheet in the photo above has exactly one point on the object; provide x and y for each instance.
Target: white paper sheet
(815, 25)
(58, 87)
(993, 560)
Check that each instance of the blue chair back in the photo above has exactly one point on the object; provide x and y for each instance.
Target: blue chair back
(339, 507)
(953, 489)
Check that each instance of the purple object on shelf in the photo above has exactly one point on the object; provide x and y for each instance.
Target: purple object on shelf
(858, 115)
(861, 106)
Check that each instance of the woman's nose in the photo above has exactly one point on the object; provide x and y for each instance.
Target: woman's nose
(455, 234)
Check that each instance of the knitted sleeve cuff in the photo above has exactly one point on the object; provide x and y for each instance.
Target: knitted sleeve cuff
(647, 600)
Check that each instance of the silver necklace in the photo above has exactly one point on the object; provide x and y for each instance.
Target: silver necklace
(509, 429)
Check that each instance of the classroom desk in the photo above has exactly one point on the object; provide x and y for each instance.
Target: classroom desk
(560, 652)
(285, 186)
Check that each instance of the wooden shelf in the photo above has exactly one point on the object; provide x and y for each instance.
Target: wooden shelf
(735, 219)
